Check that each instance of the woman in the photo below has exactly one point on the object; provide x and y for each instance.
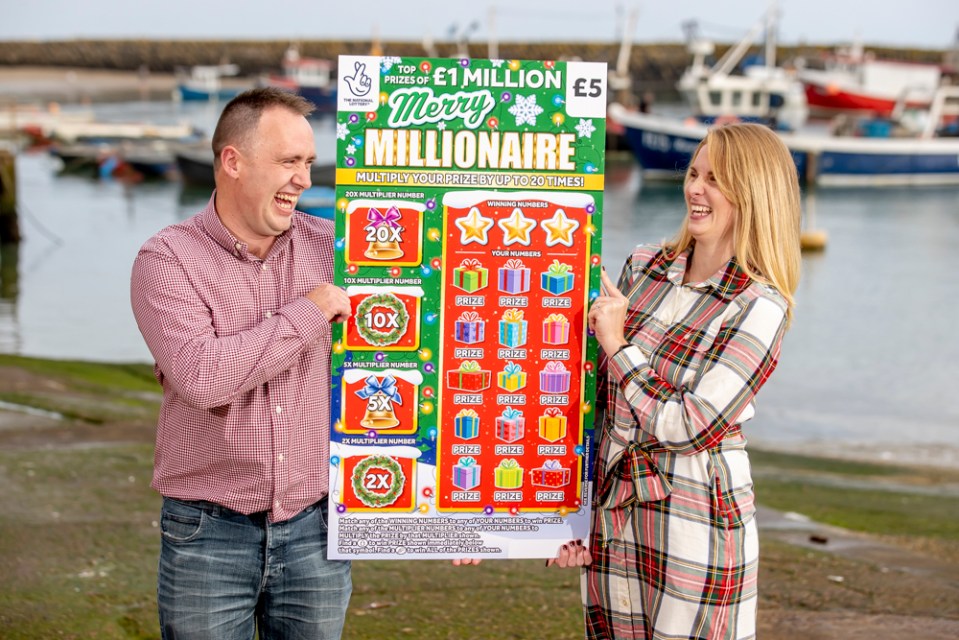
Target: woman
(691, 334)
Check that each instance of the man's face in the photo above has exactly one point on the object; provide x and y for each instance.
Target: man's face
(274, 170)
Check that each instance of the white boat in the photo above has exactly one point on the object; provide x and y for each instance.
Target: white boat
(37, 122)
(883, 156)
(70, 132)
(764, 93)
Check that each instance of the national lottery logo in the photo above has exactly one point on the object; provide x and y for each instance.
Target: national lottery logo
(358, 83)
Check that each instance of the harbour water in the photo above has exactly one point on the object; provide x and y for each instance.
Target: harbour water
(868, 369)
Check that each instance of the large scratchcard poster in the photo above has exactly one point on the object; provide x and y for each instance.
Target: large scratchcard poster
(468, 217)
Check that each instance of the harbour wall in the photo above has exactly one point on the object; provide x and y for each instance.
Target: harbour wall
(653, 66)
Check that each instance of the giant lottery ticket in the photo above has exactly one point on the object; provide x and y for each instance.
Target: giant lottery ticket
(468, 217)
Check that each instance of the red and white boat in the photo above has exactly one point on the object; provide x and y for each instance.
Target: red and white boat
(854, 81)
(312, 78)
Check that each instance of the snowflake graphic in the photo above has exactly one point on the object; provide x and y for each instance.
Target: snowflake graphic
(497, 63)
(526, 110)
(342, 129)
(585, 128)
(387, 63)
(441, 125)
(351, 149)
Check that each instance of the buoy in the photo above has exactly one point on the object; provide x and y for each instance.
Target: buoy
(813, 240)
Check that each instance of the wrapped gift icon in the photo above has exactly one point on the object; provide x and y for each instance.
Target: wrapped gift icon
(508, 474)
(511, 425)
(513, 277)
(551, 474)
(466, 424)
(469, 377)
(557, 279)
(468, 328)
(466, 474)
(554, 378)
(512, 377)
(555, 329)
(512, 329)
(470, 275)
(552, 425)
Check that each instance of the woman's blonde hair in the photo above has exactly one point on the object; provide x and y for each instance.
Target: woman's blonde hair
(755, 172)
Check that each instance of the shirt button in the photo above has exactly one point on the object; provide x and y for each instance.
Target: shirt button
(280, 457)
(276, 504)
(279, 409)
(264, 267)
(238, 246)
(268, 314)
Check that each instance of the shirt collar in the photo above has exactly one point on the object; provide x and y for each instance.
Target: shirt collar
(214, 227)
(727, 282)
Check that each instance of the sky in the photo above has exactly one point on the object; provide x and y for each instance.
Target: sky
(928, 24)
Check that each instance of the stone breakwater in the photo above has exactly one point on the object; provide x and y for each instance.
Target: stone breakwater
(658, 65)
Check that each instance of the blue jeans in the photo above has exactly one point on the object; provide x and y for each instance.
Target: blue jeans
(223, 574)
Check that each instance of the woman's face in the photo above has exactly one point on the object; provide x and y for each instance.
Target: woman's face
(710, 216)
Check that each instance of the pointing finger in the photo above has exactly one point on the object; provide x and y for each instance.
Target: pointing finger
(609, 286)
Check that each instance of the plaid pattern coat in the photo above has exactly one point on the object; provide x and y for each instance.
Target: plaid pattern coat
(674, 542)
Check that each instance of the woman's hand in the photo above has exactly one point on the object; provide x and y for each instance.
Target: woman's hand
(607, 316)
(465, 561)
(571, 554)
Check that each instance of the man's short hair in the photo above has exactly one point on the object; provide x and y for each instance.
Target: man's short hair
(241, 115)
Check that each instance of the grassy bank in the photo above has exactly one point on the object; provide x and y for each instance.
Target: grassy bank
(78, 533)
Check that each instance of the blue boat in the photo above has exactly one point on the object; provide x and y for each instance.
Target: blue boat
(664, 146)
(204, 83)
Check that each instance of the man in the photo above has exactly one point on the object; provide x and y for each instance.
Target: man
(236, 305)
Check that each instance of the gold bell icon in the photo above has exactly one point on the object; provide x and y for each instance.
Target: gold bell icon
(388, 250)
(379, 413)
(383, 234)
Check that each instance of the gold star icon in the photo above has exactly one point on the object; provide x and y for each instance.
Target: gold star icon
(516, 228)
(473, 227)
(560, 229)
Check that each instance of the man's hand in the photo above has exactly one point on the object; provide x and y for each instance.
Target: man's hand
(571, 554)
(332, 301)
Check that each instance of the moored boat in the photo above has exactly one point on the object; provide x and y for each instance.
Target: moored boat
(761, 92)
(143, 158)
(36, 123)
(311, 78)
(195, 165)
(853, 81)
(664, 146)
(828, 94)
(69, 132)
(205, 82)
